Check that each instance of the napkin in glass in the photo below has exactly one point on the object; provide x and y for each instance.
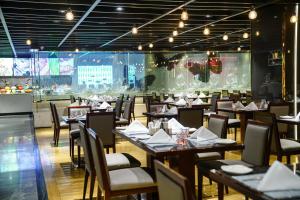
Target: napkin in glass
(197, 102)
(174, 124)
(173, 110)
(105, 105)
(161, 137)
(203, 134)
(136, 127)
(251, 106)
(279, 177)
(181, 102)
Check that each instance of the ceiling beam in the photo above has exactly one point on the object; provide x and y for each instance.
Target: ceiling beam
(7, 32)
(80, 21)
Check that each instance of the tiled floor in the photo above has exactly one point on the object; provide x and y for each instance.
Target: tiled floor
(20, 168)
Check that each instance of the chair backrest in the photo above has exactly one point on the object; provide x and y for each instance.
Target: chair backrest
(127, 110)
(72, 98)
(213, 102)
(225, 93)
(222, 103)
(99, 159)
(205, 92)
(55, 117)
(74, 111)
(85, 143)
(270, 118)
(103, 124)
(121, 97)
(197, 92)
(118, 107)
(280, 109)
(132, 99)
(248, 93)
(52, 112)
(162, 97)
(236, 92)
(171, 184)
(190, 117)
(172, 96)
(235, 97)
(257, 143)
(218, 125)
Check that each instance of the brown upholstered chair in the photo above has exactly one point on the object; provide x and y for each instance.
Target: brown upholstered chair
(126, 118)
(58, 125)
(118, 108)
(118, 182)
(190, 117)
(213, 107)
(171, 184)
(280, 109)
(114, 161)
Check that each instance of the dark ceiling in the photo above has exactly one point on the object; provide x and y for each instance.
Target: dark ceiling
(43, 21)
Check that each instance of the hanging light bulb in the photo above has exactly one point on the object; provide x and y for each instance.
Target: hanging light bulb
(257, 33)
(181, 24)
(252, 14)
(69, 15)
(293, 19)
(208, 52)
(76, 50)
(184, 15)
(140, 47)
(175, 33)
(225, 37)
(150, 45)
(28, 42)
(206, 31)
(239, 49)
(171, 39)
(134, 30)
(245, 35)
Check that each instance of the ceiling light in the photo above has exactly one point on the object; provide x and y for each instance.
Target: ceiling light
(119, 8)
(208, 16)
(245, 35)
(181, 24)
(184, 15)
(171, 39)
(150, 45)
(239, 49)
(69, 15)
(76, 50)
(293, 19)
(257, 33)
(208, 53)
(28, 42)
(175, 33)
(225, 37)
(206, 31)
(140, 47)
(252, 14)
(134, 30)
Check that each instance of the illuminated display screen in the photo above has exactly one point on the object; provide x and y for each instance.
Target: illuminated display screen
(21, 67)
(95, 75)
(66, 66)
(6, 66)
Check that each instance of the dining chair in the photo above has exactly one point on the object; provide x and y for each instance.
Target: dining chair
(74, 133)
(212, 109)
(236, 92)
(171, 184)
(225, 94)
(118, 182)
(235, 97)
(190, 117)
(279, 146)
(161, 97)
(114, 161)
(118, 108)
(279, 109)
(73, 99)
(126, 118)
(233, 122)
(255, 154)
(58, 125)
(103, 123)
(132, 99)
(121, 97)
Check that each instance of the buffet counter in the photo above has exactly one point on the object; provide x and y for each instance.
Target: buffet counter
(15, 103)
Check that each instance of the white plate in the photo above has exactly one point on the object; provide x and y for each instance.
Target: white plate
(225, 141)
(142, 137)
(286, 117)
(236, 169)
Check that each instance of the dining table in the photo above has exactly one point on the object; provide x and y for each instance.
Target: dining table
(244, 116)
(184, 153)
(291, 121)
(202, 105)
(246, 183)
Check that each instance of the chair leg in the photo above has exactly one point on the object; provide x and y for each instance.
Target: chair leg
(114, 148)
(288, 159)
(72, 150)
(78, 156)
(279, 158)
(107, 150)
(57, 136)
(220, 191)
(235, 132)
(54, 136)
(99, 194)
(86, 178)
(226, 189)
(200, 185)
(92, 187)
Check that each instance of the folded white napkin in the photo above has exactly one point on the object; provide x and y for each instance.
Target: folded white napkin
(169, 100)
(136, 127)
(251, 106)
(95, 98)
(298, 116)
(173, 110)
(197, 102)
(174, 124)
(192, 95)
(181, 102)
(202, 94)
(262, 104)
(203, 134)
(164, 109)
(279, 177)
(105, 105)
(160, 137)
(238, 105)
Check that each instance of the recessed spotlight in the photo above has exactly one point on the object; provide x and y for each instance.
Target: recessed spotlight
(184, 15)
(140, 47)
(119, 8)
(175, 33)
(69, 15)
(293, 19)
(245, 35)
(239, 49)
(76, 50)
(62, 11)
(181, 24)
(257, 33)
(151, 45)
(208, 16)
(225, 37)
(206, 31)
(171, 39)
(208, 52)
(252, 14)
(134, 30)
(28, 42)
